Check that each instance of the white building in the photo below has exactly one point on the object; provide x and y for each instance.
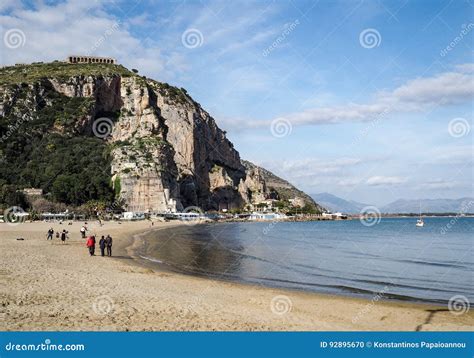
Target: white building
(266, 216)
(132, 215)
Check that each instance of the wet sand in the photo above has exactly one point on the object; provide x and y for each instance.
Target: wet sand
(47, 285)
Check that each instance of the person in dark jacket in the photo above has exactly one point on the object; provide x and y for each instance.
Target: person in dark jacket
(108, 241)
(64, 236)
(102, 245)
(50, 234)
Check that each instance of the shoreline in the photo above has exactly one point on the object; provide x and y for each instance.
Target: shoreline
(52, 286)
(133, 243)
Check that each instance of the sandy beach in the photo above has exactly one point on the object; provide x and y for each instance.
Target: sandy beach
(47, 285)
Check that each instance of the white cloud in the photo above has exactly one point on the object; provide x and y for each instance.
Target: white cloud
(52, 32)
(385, 181)
(314, 167)
(445, 88)
(8, 4)
(419, 94)
(465, 67)
(439, 184)
(312, 171)
(453, 155)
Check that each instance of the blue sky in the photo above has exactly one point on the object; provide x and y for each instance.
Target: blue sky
(296, 84)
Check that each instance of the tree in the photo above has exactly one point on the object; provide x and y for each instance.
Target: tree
(10, 196)
(42, 205)
(63, 189)
(280, 204)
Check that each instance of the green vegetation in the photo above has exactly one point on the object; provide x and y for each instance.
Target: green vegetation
(120, 144)
(117, 186)
(281, 204)
(47, 151)
(307, 209)
(215, 168)
(65, 111)
(141, 143)
(76, 171)
(143, 147)
(173, 93)
(10, 195)
(60, 70)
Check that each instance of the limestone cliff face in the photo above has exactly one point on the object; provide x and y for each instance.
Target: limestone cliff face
(167, 152)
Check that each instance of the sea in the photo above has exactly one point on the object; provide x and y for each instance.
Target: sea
(389, 258)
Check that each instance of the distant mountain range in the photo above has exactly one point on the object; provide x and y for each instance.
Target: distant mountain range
(336, 204)
(465, 205)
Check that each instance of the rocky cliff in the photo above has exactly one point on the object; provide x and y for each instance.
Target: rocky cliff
(165, 151)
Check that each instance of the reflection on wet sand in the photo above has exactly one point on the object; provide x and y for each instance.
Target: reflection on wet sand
(195, 250)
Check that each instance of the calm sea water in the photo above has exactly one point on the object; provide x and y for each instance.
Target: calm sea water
(393, 257)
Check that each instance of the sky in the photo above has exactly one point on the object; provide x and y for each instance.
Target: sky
(368, 100)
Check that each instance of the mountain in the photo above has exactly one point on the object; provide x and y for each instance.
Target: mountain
(337, 204)
(83, 132)
(401, 206)
(462, 205)
(274, 184)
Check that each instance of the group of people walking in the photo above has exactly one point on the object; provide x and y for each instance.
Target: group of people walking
(62, 235)
(104, 243)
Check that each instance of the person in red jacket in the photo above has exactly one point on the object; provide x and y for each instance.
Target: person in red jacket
(91, 245)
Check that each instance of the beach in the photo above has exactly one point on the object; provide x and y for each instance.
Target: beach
(48, 286)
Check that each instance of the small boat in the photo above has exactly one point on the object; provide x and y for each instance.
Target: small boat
(420, 222)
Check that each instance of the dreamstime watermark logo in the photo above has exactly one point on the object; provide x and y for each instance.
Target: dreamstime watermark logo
(102, 127)
(465, 208)
(46, 346)
(281, 127)
(103, 305)
(14, 38)
(191, 308)
(370, 216)
(192, 38)
(459, 305)
(13, 128)
(458, 127)
(266, 230)
(368, 307)
(287, 31)
(14, 215)
(109, 32)
(117, 203)
(364, 132)
(281, 305)
(192, 215)
(370, 38)
(465, 29)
